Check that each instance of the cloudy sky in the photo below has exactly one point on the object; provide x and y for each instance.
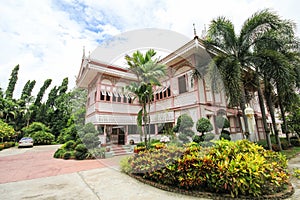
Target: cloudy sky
(46, 37)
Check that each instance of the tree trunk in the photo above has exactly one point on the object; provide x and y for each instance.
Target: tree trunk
(271, 110)
(149, 127)
(145, 123)
(243, 107)
(282, 113)
(263, 113)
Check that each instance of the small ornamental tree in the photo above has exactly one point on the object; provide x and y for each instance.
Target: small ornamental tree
(203, 125)
(222, 122)
(183, 127)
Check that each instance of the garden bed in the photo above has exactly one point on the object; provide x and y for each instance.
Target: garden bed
(203, 194)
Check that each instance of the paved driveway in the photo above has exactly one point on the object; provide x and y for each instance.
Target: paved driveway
(33, 173)
(30, 163)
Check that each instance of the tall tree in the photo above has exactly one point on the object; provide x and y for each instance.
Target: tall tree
(42, 91)
(12, 83)
(277, 61)
(148, 72)
(234, 51)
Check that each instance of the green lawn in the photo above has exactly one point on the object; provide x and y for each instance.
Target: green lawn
(290, 153)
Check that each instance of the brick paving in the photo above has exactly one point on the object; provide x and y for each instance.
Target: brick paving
(38, 163)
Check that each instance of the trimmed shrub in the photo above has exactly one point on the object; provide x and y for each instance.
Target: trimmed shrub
(70, 145)
(225, 135)
(183, 137)
(203, 125)
(197, 138)
(188, 132)
(81, 152)
(208, 137)
(67, 155)
(59, 153)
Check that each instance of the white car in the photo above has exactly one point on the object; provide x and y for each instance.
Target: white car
(26, 142)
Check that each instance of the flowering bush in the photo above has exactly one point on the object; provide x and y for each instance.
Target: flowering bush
(164, 139)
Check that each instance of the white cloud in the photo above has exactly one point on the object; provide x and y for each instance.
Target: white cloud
(46, 37)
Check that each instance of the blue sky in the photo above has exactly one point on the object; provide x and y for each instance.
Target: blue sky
(46, 37)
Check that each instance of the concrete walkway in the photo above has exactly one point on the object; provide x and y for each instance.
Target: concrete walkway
(105, 183)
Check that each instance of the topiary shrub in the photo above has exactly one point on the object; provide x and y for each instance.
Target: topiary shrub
(208, 137)
(183, 137)
(225, 135)
(203, 125)
(183, 127)
(222, 122)
(197, 138)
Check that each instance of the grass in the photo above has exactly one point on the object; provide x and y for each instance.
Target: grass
(291, 153)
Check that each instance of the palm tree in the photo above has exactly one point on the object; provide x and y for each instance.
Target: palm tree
(148, 72)
(278, 52)
(234, 51)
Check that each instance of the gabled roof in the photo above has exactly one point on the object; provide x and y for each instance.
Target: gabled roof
(91, 67)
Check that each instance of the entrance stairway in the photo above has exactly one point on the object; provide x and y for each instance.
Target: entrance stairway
(119, 150)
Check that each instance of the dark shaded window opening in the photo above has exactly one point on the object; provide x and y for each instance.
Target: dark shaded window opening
(182, 84)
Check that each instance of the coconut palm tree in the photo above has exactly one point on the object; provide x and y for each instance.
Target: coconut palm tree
(148, 72)
(234, 51)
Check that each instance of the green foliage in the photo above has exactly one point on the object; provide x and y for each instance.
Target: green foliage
(203, 125)
(296, 173)
(184, 122)
(34, 127)
(225, 135)
(208, 137)
(67, 155)
(6, 131)
(222, 122)
(295, 142)
(39, 132)
(59, 153)
(12, 83)
(70, 145)
(42, 137)
(90, 140)
(236, 168)
(97, 152)
(183, 137)
(41, 92)
(125, 165)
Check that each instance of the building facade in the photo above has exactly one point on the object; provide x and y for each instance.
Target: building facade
(113, 110)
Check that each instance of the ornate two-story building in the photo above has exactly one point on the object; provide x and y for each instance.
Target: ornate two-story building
(113, 110)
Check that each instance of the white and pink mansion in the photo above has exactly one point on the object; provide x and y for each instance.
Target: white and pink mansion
(114, 111)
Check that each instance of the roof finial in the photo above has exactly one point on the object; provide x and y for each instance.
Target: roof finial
(195, 33)
(83, 52)
(204, 32)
